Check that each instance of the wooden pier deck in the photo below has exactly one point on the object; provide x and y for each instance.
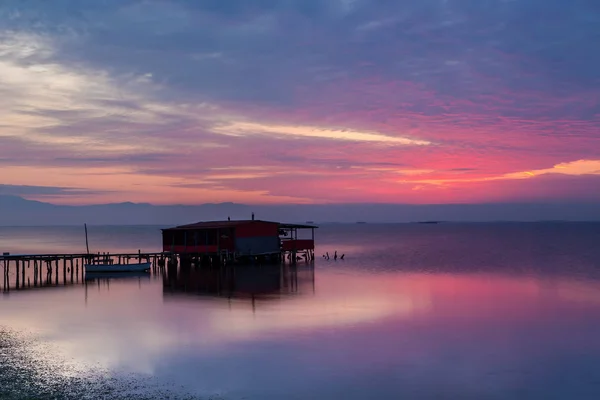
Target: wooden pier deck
(84, 256)
(47, 268)
(37, 270)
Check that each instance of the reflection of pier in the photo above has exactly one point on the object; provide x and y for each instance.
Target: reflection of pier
(101, 280)
(241, 281)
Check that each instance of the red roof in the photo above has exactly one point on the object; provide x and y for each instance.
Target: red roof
(232, 224)
(220, 224)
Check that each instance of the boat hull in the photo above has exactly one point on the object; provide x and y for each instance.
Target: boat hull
(117, 267)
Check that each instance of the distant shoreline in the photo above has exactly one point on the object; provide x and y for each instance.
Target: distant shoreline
(18, 211)
(159, 226)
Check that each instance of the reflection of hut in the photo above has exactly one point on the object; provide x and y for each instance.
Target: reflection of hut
(241, 281)
(238, 239)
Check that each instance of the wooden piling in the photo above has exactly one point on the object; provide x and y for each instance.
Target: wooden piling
(22, 272)
(17, 274)
(6, 282)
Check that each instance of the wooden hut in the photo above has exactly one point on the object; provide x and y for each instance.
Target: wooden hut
(235, 239)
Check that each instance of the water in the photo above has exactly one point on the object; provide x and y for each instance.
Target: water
(449, 311)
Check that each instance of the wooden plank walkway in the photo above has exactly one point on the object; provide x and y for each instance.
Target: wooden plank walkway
(72, 265)
(7, 256)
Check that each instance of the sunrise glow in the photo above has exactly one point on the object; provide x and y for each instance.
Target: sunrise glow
(276, 124)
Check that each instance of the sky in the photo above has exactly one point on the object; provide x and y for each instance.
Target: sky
(300, 101)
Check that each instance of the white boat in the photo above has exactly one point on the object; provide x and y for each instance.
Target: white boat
(117, 267)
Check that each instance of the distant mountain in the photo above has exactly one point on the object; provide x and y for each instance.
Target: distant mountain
(19, 211)
(17, 202)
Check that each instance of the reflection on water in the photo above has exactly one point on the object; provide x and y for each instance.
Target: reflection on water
(241, 281)
(504, 312)
(115, 276)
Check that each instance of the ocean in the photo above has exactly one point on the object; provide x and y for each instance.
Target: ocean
(413, 311)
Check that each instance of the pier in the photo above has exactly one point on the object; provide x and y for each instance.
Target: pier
(36, 270)
(22, 271)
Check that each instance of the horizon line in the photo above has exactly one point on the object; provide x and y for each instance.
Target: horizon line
(537, 203)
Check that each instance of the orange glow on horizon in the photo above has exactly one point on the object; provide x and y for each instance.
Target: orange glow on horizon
(110, 138)
(268, 185)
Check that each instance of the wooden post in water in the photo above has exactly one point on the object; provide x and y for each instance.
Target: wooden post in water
(87, 246)
(17, 280)
(5, 273)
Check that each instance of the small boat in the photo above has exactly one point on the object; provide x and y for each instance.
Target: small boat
(139, 267)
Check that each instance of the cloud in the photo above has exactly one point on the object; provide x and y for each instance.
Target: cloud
(580, 167)
(25, 190)
(41, 98)
(303, 99)
(249, 128)
(574, 168)
(405, 172)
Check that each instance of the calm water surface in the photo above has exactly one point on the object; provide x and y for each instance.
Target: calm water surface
(474, 311)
